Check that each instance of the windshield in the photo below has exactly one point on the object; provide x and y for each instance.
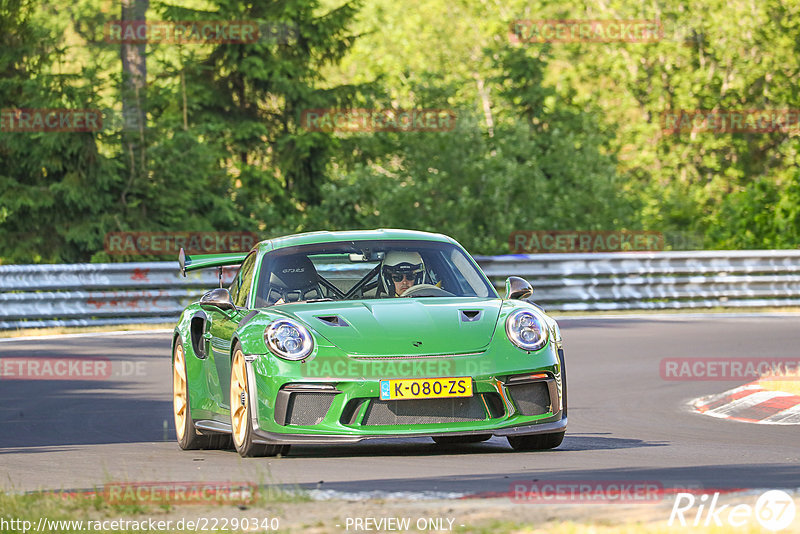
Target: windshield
(369, 270)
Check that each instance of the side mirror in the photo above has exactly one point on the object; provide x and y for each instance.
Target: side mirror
(518, 288)
(220, 298)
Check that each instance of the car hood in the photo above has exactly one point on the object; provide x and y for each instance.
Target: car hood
(403, 326)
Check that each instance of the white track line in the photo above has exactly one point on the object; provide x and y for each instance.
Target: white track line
(86, 334)
(789, 416)
(729, 409)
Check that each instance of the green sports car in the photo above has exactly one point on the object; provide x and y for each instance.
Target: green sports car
(336, 337)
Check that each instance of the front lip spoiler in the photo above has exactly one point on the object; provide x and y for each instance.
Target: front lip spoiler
(272, 438)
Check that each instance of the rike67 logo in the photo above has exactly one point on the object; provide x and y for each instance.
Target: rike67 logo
(774, 510)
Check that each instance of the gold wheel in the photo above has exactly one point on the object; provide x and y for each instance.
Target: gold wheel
(179, 397)
(241, 426)
(240, 398)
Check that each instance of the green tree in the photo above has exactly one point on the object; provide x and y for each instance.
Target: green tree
(549, 171)
(53, 185)
(249, 98)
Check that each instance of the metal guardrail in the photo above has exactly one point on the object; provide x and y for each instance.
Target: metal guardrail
(90, 294)
(655, 280)
(33, 296)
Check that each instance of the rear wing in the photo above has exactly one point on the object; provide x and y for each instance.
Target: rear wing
(207, 261)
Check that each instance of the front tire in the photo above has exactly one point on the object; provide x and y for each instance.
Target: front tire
(536, 442)
(189, 438)
(241, 423)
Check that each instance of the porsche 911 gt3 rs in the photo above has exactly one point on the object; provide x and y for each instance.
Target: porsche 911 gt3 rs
(337, 337)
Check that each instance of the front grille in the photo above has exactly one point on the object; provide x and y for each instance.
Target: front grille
(532, 398)
(424, 411)
(308, 408)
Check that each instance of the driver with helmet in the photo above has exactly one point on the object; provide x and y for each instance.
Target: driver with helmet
(401, 270)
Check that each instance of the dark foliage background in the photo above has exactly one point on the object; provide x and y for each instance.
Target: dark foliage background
(548, 137)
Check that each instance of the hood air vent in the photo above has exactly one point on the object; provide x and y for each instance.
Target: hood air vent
(469, 316)
(332, 320)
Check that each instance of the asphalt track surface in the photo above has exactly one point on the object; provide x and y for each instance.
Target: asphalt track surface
(625, 421)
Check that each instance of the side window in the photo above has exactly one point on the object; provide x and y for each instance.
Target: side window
(240, 287)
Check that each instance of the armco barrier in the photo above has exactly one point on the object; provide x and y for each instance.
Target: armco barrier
(655, 280)
(97, 294)
(89, 294)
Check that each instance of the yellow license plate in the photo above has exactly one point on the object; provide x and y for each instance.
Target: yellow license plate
(426, 388)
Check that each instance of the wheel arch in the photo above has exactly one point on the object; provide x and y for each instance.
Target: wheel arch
(234, 341)
(176, 335)
(242, 334)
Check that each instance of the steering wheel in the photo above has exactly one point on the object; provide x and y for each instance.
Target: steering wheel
(426, 290)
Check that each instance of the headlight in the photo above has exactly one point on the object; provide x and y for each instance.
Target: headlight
(526, 330)
(289, 339)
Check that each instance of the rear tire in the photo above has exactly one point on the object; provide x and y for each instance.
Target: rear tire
(241, 423)
(189, 438)
(536, 442)
(461, 440)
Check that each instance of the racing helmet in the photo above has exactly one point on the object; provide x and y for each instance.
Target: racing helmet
(398, 264)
